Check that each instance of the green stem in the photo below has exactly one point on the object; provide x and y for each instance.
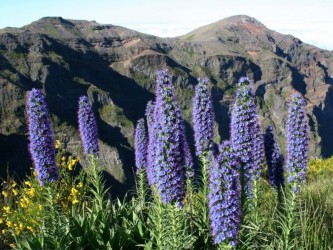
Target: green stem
(190, 202)
(223, 247)
(255, 208)
(159, 221)
(205, 189)
(174, 227)
(290, 203)
(141, 188)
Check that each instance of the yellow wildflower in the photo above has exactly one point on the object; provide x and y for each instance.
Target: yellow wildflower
(28, 183)
(7, 209)
(79, 185)
(3, 231)
(24, 202)
(1, 220)
(31, 192)
(5, 194)
(17, 231)
(75, 201)
(15, 192)
(70, 166)
(57, 144)
(74, 191)
(63, 158)
(9, 223)
(14, 184)
(30, 229)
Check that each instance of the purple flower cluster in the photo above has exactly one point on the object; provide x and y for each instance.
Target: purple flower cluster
(274, 159)
(41, 138)
(150, 170)
(87, 127)
(223, 196)
(141, 145)
(172, 156)
(297, 142)
(203, 117)
(246, 138)
(188, 160)
(258, 148)
(150, 114)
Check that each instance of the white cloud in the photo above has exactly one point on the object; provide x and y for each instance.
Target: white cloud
(163, 30)
(319, 34)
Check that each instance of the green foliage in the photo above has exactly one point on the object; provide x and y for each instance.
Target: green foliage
(77, 212)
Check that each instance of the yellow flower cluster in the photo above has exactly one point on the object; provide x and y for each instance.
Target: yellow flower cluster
(21, 212)
(10, 190)
(70, 195)
(68, 162)
(320, 167)
(28, 193)
(63, 160)
(58, 144)
(22, 206)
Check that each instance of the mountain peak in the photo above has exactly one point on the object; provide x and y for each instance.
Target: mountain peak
(242, 19)
(231, 26)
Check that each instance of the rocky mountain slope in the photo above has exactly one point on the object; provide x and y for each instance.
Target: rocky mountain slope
(116, 66)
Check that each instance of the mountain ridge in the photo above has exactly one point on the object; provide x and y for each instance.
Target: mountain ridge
(116, 68)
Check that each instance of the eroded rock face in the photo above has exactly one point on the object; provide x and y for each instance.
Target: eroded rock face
(116, 67)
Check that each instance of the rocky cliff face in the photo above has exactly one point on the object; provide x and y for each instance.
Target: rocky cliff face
(116, 66)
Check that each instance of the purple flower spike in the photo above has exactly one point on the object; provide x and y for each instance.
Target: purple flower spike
(41, 138)
(203, 117)
(170, 163)
(246, 138)
(150, 170)
(258, 148)
(141, 145)
(224, 196)
(274, 159)
(88, 127)
(188, 160)
(297, 142)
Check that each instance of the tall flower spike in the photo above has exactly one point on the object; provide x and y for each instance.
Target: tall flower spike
(87, 127)
(188, 160)
(246, 138)
(203, 117)
(223, 197)
(297, 142)
(274, 159)
(41, 138)
(141, 145)
(169, 162)
(150, 170)
(258, 148)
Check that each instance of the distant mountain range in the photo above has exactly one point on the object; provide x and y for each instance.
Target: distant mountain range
(116, 67)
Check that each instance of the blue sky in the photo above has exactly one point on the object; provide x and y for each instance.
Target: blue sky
(311, 21)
